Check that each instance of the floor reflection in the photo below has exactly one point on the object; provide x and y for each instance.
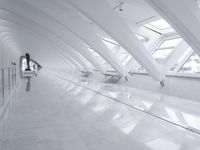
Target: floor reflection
(28, 84)
(69, 116)
(178, 111)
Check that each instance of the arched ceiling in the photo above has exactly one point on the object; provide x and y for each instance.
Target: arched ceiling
(58, 32)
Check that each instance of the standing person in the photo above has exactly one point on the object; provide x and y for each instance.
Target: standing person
(35, 69)
(28, 62)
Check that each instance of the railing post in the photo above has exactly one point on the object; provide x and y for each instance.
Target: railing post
(15, 76)
(3, 90)
(12, 77)
(9, 80)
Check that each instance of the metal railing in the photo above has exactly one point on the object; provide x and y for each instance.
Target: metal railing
(8, 83)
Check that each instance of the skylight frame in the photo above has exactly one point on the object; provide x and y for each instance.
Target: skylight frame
(170, 43)
(159, 28)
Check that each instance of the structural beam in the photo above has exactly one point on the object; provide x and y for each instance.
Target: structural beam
(183, 16)
(75, 43)
(35, 25)
(172, 59)
(100, 12)
(184, 60)
(33, 34)
(81, 29)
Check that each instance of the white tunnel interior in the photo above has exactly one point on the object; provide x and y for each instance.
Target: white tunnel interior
(143, 54)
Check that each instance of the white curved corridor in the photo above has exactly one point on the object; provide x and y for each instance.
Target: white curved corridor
(99, 75)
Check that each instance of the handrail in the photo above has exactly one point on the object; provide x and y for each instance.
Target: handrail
(8, 85)
(8, 82)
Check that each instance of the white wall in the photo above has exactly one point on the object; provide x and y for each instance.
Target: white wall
(9, 54)
(176, 86)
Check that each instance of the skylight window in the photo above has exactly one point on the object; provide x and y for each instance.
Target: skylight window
(116, 49)
(162, 53)
(165, 49)
(181, 59)
(127, 59)
(192, 65)
(170, 43)
(160, 24)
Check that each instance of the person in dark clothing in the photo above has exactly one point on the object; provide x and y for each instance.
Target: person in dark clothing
(28, 62)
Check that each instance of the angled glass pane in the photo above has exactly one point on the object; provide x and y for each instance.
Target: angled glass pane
(127, 59)
(170, 43)
(181, 59)
(162, 53)
(192, 65)
(160, 24)
(165, 49)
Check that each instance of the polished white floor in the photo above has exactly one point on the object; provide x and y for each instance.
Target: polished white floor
(67, 113)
